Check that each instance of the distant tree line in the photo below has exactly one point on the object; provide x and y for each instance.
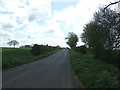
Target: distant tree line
(26, 46)
(41, 49)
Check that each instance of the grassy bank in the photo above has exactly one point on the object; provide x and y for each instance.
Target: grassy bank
(12, 57)
(94, 73)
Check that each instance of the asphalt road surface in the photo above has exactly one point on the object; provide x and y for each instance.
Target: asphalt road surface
(51, 72)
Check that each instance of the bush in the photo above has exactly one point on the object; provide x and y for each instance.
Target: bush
(81, 49)
(35, 50)
(41, 49)
(112, 57)
(115, 58)
(108, 56)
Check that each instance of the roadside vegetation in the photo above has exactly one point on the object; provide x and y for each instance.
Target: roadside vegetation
(97, 62)
(102, 36)
(12, 57)
(94, 73)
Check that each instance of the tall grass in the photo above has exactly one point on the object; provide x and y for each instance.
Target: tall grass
(16, 56)
(94, 73)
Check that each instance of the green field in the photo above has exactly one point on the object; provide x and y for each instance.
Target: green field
(94, 73)
(12, 57)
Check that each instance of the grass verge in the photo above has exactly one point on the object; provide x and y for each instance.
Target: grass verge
(12, 57)
(94, 73)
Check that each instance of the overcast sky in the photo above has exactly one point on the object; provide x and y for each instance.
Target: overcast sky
(45, 21)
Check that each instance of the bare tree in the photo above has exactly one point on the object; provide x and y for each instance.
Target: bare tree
(111, 4)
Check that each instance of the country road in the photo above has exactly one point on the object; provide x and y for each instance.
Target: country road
(51, 72)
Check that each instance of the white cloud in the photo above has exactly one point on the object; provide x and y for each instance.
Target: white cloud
(5, 34)
(39, 10)
(42, 24)
(76, 17)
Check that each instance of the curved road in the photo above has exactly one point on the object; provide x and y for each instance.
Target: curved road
(51, 72)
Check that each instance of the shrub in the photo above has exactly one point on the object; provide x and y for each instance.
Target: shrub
(81, 49)
(35, 50)
(115, 58)
(41, 49)
(112, 57)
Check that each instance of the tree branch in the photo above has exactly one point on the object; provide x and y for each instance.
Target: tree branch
(111, 4)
